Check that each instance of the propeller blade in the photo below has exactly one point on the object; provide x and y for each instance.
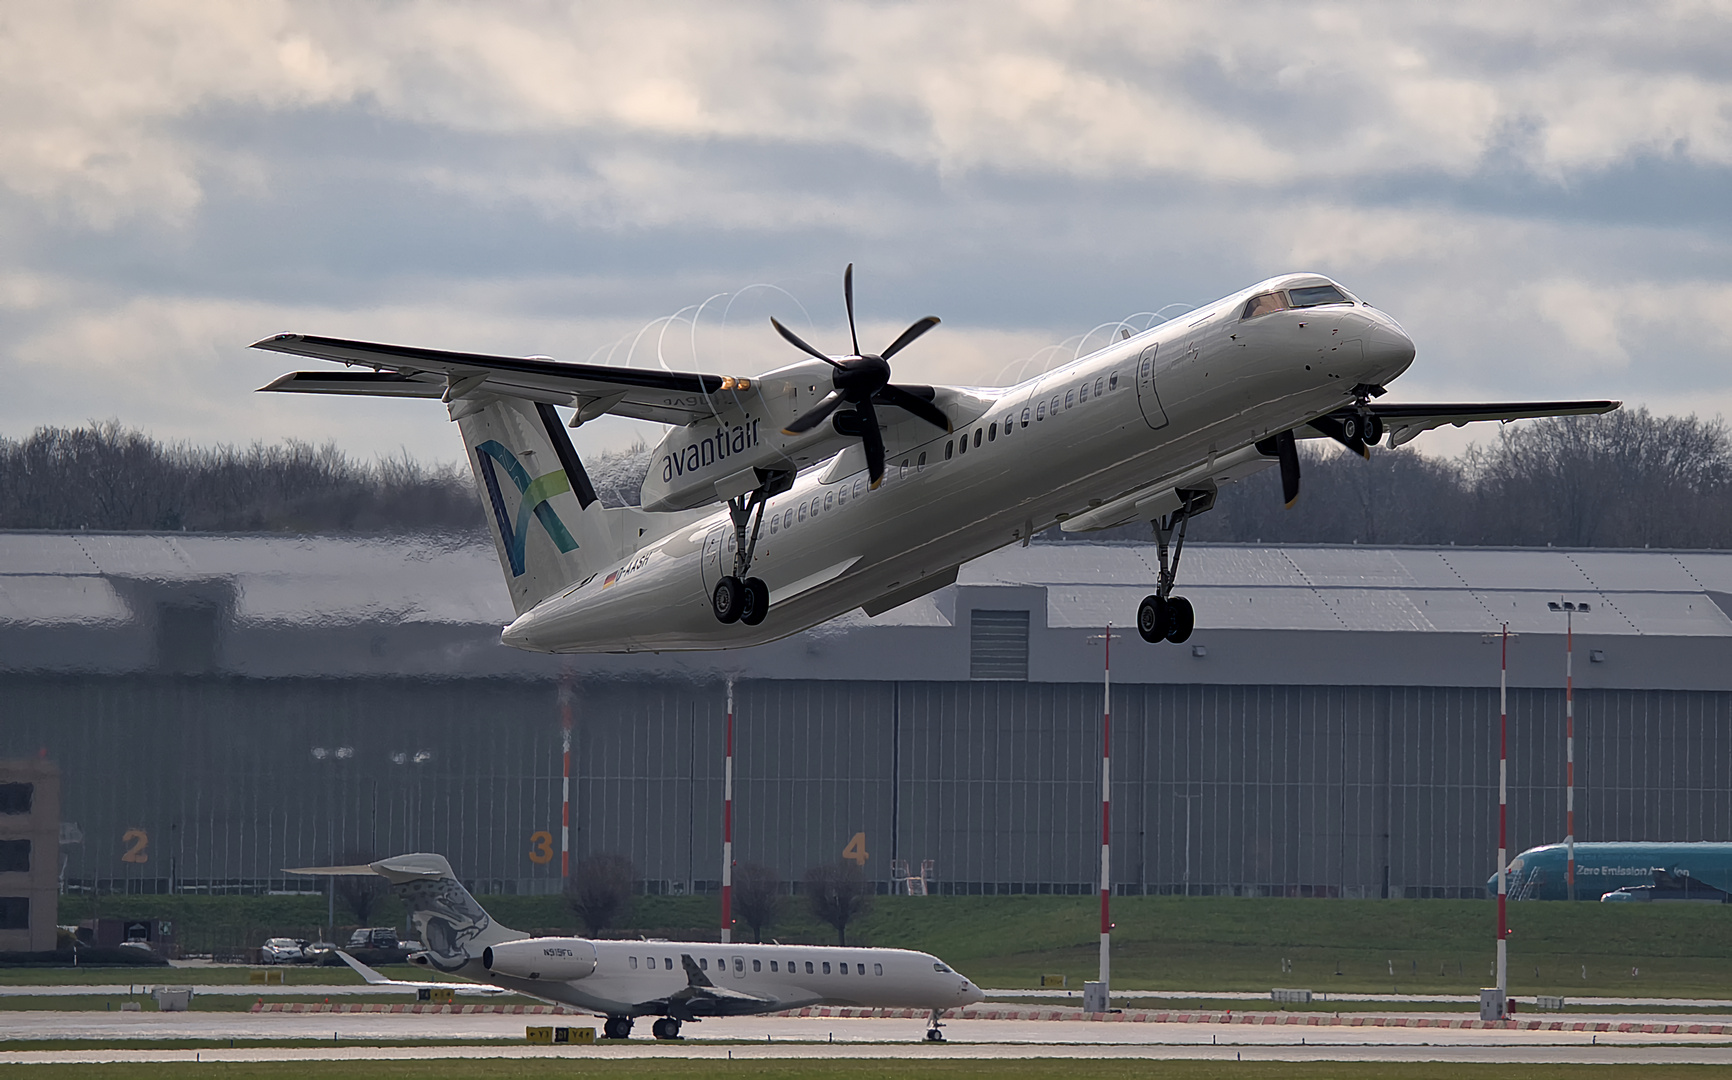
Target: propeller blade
(873, 440)
(1333, 428)
(914, 403)
(794, 340)
(908, 336)
(848, 295)
(1288, 451)
(814, 416)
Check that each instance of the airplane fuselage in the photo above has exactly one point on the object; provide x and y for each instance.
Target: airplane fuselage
(1172, 403)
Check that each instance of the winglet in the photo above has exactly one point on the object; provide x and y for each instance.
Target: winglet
(366, 973)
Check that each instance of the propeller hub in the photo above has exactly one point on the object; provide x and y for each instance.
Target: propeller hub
(860, 377)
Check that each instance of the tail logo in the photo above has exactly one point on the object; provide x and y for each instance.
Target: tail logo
(535, 494)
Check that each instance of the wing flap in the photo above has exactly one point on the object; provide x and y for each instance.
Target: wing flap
(1403, 422)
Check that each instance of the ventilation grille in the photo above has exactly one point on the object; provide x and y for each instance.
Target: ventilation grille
(998, 645)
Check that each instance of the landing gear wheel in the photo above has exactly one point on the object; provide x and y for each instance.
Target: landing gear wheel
(728, 600)
(1373, 430)
(935, 1035)
(666, 1028)
(1152, 619)
(616, 1027)
(1181, 619)
(756, 602)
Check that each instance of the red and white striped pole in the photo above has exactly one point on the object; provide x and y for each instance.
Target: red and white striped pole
(1570, 751)
(1106, 814)
(728, 823)
(1503, 823)
(565, 781)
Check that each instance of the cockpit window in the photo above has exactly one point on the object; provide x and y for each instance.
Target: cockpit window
(939, 967)
(1264, 304)
(1316, 295)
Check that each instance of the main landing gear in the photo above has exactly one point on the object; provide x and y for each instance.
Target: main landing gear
(666, 1028)
(616, 1027)
(933, 1034)
(739, 597)
(1163, 616)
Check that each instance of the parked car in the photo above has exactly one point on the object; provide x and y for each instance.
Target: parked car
(373, 937)
(281, 950)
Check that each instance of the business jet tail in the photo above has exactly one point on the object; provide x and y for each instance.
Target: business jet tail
(448, 920)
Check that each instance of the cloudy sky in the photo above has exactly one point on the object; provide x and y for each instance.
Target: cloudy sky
(1541, 192)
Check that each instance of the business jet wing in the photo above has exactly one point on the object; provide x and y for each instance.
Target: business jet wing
(374, 978)
(668, 397)
(700, 997)
(1404, 422)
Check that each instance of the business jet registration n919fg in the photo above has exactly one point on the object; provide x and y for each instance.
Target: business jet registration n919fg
(777, 501)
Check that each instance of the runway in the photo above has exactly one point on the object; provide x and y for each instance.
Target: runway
(837, 1037)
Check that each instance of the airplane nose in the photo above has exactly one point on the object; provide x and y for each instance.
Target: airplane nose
(1388, 349)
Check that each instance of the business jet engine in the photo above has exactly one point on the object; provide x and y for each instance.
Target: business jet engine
(557, 959)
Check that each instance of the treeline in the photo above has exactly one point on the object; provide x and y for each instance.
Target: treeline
(1628, 479)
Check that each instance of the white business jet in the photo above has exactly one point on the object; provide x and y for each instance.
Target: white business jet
(679, 982)
(780, 500)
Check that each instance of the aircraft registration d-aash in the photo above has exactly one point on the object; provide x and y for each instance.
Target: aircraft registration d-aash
(676, 981)
(780, 500)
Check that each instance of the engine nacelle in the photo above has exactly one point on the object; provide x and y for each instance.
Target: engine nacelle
(557, 959)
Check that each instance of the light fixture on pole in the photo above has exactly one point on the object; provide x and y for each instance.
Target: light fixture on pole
(1570, 610)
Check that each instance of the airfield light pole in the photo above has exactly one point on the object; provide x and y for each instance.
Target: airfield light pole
(565, 780)
(1503, 821)
(728, 823)
(1569, 609)
(1106, 641)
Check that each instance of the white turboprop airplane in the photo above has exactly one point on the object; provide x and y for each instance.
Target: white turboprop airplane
(676, 981)
(843, 489)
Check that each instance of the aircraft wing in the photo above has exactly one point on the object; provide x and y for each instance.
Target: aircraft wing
(373, 978)
(1403, 422)
(669, 397)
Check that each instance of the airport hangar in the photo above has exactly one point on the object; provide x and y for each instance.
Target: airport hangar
(224, 706)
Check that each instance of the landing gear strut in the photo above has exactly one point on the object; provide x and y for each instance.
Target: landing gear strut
(738, 597)
(666, 1028)
(1163, 616)
(616, 1027)
(933, 1034)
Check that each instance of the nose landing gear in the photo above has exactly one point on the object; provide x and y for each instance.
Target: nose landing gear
(933, 1034)
(1163, 616)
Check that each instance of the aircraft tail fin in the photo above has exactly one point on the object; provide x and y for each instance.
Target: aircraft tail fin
(549, 528)
(446, 917)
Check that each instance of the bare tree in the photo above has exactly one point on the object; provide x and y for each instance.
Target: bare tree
(757, 897)
(837, 893)
(360, 893)
(600, 889)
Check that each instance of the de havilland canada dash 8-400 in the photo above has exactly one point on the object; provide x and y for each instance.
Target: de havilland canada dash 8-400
(679, 982)
(783, 499)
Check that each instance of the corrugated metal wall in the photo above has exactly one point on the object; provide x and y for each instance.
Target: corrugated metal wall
(1334, 791)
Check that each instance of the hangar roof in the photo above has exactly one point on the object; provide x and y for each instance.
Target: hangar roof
(419, 605)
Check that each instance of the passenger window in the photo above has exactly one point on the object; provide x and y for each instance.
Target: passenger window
(808, 967)
(788, 520)
(877, 969)
(1098, 384)
(757, 965)
(739, 964)
(842, 968)
(1143, 372)
(904, 474)
(633, 961)
(1113, 381)
(1040, 411)
(1025, 416)
(829, 500)
(668, 963)
(921, 464)
(1263, 305)
(841, 494)
(949, 447)
(992, 432)
(775, 522)
(964, 442)
(1082, 393)
(1069, 398)
(1055, 404)
(815, 501)
(704, 963)
(772, 965)
(802, 511)
(976, 436)
(859, 488)
(826, 967)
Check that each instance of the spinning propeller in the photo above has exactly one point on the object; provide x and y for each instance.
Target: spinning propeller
(860, 380)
